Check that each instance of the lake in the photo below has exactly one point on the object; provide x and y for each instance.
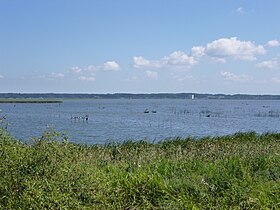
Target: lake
(112, 120)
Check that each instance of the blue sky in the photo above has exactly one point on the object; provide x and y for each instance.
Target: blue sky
(140, 46)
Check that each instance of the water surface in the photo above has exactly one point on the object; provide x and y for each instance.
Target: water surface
(124, 119)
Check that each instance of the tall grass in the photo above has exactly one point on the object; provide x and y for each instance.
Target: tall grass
(240, 171)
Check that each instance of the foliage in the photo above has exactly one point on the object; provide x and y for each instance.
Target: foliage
(241, 171)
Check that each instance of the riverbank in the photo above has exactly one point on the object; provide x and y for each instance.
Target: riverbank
(240, 171)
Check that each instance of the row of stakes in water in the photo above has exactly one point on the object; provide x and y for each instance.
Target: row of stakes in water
(80, 118)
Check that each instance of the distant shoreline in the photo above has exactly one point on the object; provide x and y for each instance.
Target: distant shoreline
(57, 97)
(29, 101)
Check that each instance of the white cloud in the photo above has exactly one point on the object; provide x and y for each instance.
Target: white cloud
(1, 76)
(198, 51)
(233, 77)
(152, 75)
(91, 68)
(273, 43)
(228, 75)
(76, 69)
(107, 66)
(87, 73)
(57, 75)
(89, 79)
(273, 64)
(219, 50)
(111, 66)
(232, 47)
(177, 59)
(141, 62)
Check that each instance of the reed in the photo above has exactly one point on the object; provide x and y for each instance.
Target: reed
(240, 171)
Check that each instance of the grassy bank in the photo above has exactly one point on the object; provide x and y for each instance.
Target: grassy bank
(241, 171)
(29, 100)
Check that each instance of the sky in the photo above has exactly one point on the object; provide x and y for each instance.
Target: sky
(140, 46)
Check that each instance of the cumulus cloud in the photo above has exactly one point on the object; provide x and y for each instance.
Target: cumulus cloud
(273, 43)
(198, 51)
(232, 47)
(141, 62)
(111, 66)
(218, 50)
(177, 59)
(152, 75)
(233, 77)
(89, 79)
(272, 64)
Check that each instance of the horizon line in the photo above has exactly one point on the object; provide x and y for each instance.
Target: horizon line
(136, 93)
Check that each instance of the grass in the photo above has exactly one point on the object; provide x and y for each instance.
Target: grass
(240, 171)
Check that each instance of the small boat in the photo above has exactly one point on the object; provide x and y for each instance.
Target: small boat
(146, 111)
(154, 111)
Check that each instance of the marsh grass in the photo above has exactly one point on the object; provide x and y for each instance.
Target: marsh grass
(240, 171)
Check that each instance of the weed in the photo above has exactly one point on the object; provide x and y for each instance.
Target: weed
(240, 171)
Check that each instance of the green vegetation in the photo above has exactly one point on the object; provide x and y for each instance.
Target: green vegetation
(29, 100)
(240, 171)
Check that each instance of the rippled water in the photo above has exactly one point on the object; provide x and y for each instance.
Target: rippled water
(123, 119)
